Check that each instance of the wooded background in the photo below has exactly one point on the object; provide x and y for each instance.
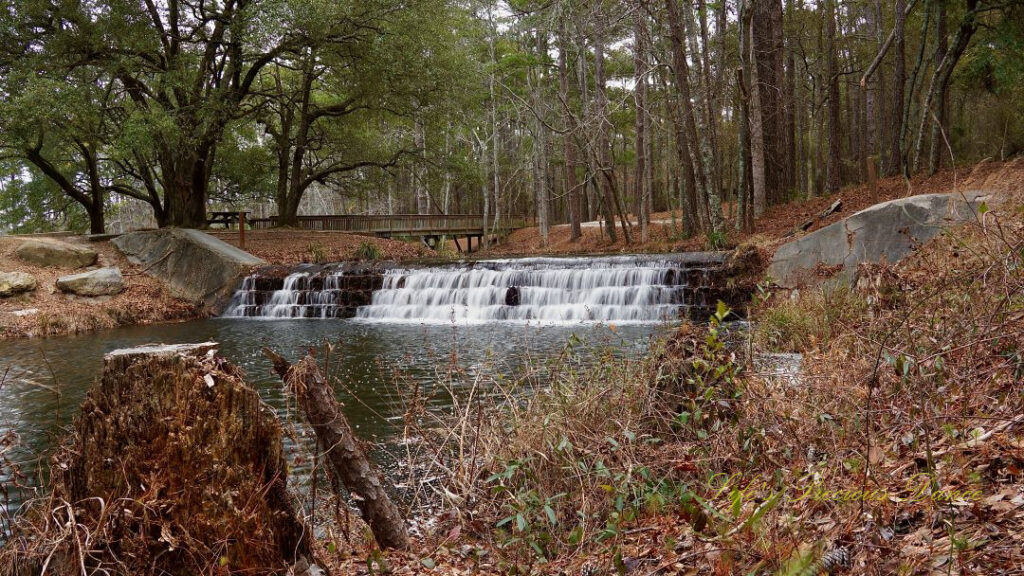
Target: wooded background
(122, 113)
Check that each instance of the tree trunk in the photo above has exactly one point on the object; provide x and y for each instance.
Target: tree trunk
(942, 108)
(174, 440)
(643, 181)
(940, 80)
(540, 158)
(895, 161)
(744, 184)
(768, 56)
(758, 168)
(315, 397)
(789, 109)
(711, 103)
(418, 181)
(284, 218)
(186, 180)
(602, 173)
(572, 187)
(695, 174)
(495, 133)
(96, 220)
(877, 113)
(706, 118)
(832, 77)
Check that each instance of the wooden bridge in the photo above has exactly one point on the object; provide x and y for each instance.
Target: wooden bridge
(429, 227)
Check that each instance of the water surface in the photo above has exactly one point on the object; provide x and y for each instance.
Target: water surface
(45, 380)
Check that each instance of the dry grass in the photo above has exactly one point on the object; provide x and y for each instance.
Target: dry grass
(896, 449)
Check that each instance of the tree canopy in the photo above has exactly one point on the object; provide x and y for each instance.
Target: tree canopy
(565, 111)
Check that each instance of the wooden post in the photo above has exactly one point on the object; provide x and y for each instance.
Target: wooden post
(873, 179)
(241, 230)
(316, 397)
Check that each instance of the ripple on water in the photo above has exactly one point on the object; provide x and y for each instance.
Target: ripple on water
(45, 380)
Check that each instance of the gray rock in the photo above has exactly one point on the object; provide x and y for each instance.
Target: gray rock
(48, 252)
(101, 282)
(12, 283)
(888, 231)
(195, 266)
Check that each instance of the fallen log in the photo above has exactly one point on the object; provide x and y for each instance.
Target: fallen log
(174, 466)
(322, 410)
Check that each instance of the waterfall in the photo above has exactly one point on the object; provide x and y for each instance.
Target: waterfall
(618, 289)
(300, 295)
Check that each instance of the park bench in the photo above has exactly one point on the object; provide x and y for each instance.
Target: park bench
(228, 219)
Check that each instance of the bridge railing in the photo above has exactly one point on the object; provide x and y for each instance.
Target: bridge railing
(391, 224)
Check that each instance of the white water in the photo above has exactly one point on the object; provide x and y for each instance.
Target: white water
(297, 299)
(624, 289)
(549, 290)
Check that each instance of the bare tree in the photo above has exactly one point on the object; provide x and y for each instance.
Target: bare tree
(944, 72)
(758, 168)
(643, 161)
(832, 77)
(942, 107)
(695, 174)
(569, 147)
(895, 160)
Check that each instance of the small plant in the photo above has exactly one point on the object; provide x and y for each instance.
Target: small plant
(715, 240)
(368, 251)
(317, 253)
(445, 251)
(812, 320)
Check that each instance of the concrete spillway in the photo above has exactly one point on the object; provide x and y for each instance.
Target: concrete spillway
(619, 289)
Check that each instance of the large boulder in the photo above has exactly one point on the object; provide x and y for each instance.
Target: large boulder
(48, 252)
(888, 231)
(101, 282)
(12, 283)
(195, 266)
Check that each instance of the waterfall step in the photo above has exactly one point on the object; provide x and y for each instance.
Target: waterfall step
(633, 288)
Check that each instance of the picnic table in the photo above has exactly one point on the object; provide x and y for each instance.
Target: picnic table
(228, 219)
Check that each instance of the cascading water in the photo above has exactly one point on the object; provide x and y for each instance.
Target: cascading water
(618, 289)
(542, 290)
(324, 294)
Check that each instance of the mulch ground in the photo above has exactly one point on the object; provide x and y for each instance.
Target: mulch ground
(288, 246)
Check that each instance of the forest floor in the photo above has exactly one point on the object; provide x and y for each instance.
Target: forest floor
(46, 311)
(292, 246)
(777, 224)
(872, 430)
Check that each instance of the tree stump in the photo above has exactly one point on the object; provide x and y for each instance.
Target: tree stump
(174, 466)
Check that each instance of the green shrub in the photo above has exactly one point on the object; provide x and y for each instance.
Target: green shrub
(317, 253)
(368, 251)
(716, 240)
(807, 322)
(447, 251)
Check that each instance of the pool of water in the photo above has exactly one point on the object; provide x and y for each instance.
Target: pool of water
(45, 380)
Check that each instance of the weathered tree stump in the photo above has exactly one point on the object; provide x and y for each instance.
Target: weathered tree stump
(315, 397)
(174, 466)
